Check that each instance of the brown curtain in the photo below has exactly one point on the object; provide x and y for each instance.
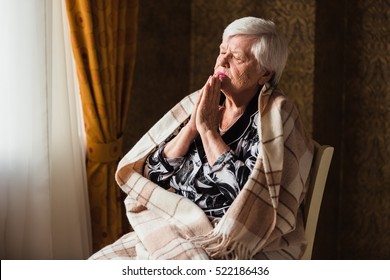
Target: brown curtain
(103, 35)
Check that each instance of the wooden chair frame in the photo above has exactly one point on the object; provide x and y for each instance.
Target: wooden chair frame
(319, 172)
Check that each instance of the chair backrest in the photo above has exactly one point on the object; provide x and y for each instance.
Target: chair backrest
(312, 203)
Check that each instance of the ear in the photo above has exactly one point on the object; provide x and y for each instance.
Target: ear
(265, 77)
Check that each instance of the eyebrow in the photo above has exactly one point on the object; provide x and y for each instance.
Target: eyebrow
(223, 48)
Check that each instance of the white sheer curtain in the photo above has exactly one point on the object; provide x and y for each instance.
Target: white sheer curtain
(43, 193)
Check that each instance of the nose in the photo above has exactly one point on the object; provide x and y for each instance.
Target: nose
(224, 60)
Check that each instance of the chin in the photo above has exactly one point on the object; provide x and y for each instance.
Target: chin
(225, 86)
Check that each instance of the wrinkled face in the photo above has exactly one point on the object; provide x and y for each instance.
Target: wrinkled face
(242, 75)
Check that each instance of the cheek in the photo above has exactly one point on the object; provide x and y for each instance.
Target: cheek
(249, 74)
(244, 76)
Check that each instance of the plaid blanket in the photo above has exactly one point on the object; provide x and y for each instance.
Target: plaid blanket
(264, 221)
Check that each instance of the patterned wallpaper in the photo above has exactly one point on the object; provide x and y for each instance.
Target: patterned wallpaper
(365, 210)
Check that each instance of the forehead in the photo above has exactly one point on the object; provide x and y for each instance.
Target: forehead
(241, 43)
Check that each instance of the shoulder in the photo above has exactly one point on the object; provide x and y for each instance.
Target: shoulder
(279, 98)
(279, 101)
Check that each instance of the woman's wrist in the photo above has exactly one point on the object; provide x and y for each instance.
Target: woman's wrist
(179, 146)
(190, 131)
(214, 145)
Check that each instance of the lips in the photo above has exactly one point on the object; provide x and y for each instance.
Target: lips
(221, 75)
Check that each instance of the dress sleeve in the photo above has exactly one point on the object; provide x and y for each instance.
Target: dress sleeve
(160, 169)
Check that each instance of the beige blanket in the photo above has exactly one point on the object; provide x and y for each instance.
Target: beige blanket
(263, 222)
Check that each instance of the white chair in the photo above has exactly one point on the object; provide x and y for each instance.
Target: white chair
(312, 203)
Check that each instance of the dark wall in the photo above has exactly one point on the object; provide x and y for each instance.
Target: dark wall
(162, 70)
(352, 113)
(365, 192)
(328, 116)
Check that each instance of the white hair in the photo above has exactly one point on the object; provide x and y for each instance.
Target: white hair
(270, 48)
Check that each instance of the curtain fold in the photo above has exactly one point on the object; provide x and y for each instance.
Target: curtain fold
(103, 35)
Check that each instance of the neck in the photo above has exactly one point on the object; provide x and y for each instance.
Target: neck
(237, 102)
(229, 116)
(232, 108)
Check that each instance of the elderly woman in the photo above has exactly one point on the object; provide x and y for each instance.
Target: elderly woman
(236, 156)
(210, 159)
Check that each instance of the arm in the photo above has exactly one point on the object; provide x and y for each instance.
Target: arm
(178, 146)
(160, 169)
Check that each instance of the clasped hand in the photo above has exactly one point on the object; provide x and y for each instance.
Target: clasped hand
(205, 121)
(205, 116)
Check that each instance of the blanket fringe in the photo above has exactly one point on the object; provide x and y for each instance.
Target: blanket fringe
(221, 246)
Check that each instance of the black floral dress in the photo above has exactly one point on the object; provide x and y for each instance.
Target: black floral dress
(212, 188)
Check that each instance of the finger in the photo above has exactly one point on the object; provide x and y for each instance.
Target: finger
(200, 96)
(212, 93)
(207, 90)
(215, 90)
